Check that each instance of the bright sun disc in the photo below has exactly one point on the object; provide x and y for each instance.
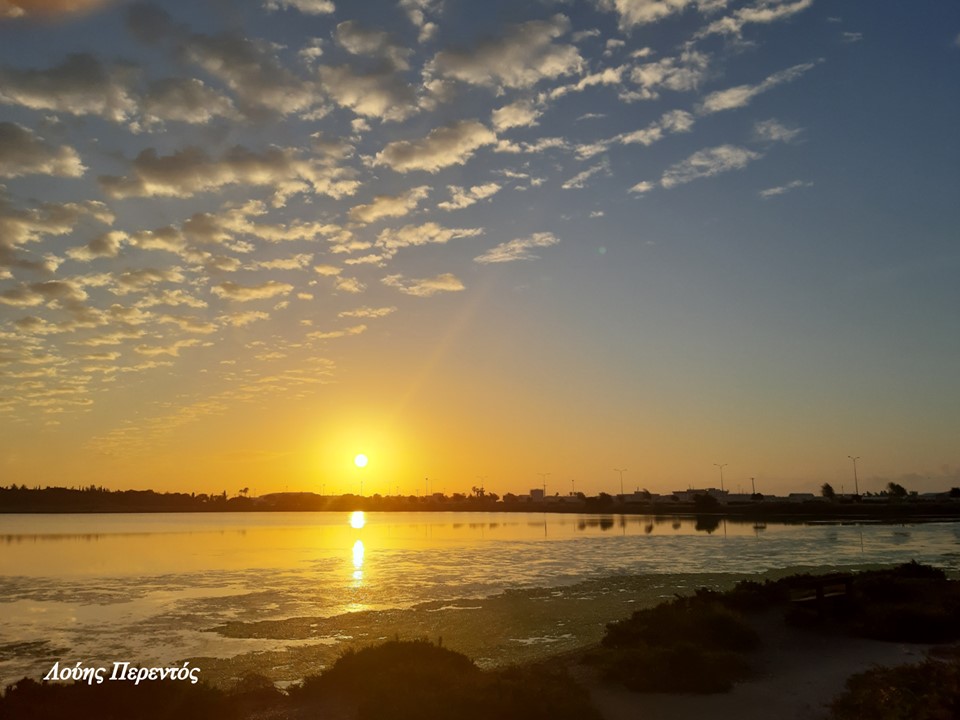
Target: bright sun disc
(360, 460)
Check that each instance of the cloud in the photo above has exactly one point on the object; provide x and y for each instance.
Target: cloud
(136, 280)
(642, 12)
(851, 37)
(417, 13)
(389, 205)
(242, 319)
(774, 131)
(104, 245)
(247, 293)
(47, 8)
(307, 7)
(19, 227)
(349, 285)
(643, 187)
(579, 180)
(367, 312)
(189, 324)
(706, 163)
(520, 57)
(607, 76)
(522, 113)
(333, 334)
(782, 189)
(679, 74)
(452, 144)
(382, 95)
(328, 270)
(296, 262)
(518, 249)
(23, 152)
(250, 68)
(425, 287)
(186, 100)
(191, 170)
(391, 240)
(80, 85)
(173, 349)
(358, 40)
(762, 11)
(461, 198)
(741, 95)
(674, 121)
(55, 291)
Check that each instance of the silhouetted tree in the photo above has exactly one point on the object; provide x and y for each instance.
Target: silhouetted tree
(896, 491)
(827, 491)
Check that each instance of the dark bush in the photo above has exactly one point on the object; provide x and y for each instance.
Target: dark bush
(927, 691)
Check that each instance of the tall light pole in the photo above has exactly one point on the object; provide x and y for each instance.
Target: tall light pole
(573, 486)
(543, 477)
(856, 484)
(721, 473)
(621, 471)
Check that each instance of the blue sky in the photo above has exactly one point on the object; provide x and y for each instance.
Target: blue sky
(251, 239)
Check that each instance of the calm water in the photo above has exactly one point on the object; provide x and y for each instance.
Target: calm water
(282, 593)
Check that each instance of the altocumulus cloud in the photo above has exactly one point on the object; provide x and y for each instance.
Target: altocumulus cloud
(425, 287)
(246, 293)
(23, 152)
(447, 145)
(518, 249)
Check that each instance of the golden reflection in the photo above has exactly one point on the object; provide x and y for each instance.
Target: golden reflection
(358, 560)
(357, 520)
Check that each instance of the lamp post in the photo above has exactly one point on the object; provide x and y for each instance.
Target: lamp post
(543, 477)
(856, 484)
(621, 471)
(721, 473)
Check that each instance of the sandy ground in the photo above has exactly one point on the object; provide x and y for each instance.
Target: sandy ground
(797, 674)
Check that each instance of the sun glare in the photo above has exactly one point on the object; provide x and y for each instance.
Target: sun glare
(360, 460)
(357, 519)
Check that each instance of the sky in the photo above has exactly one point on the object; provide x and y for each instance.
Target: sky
(493, 244)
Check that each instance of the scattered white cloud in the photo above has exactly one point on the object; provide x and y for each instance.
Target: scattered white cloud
(760, 12)
(775, 131)
(706, 163)
(579, 180)
(851, 37)
(522, 113)
(246, 293)
(104, 245)
(191, 171)
(518, 249)
(520, 57)
(367, 312)
(431, 233)
(333, 334)
(425, 287)
(452, 144)
(782, 189)
(384, 206)
(80, 85)
(741, 95)
(349, 285)
(683, 73)
(461, 198)
(642, 187)
(23, 152)
(308, 7)
(383, 95)
(173, 349)
(641, 12)
(419, 11)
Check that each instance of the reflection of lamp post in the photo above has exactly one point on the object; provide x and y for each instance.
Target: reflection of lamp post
(721, 473)
(621, 471)
(856, 485)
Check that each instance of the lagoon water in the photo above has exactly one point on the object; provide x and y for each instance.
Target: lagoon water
(283, 593)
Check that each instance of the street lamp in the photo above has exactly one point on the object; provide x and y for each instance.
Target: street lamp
(543, 477)
(721, 473)
(621, 471)
(856, 485)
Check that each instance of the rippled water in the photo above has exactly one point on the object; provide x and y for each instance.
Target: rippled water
(282, 593)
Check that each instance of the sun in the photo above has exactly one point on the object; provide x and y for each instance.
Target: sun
(360, 460)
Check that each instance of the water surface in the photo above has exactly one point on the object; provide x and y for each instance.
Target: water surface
(281, 593)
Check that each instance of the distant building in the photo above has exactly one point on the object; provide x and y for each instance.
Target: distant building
(689, 495)
(800, 497)
(536, 495)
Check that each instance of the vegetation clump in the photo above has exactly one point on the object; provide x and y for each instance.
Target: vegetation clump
(925, 691)
(417, 680)
(694, 644)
